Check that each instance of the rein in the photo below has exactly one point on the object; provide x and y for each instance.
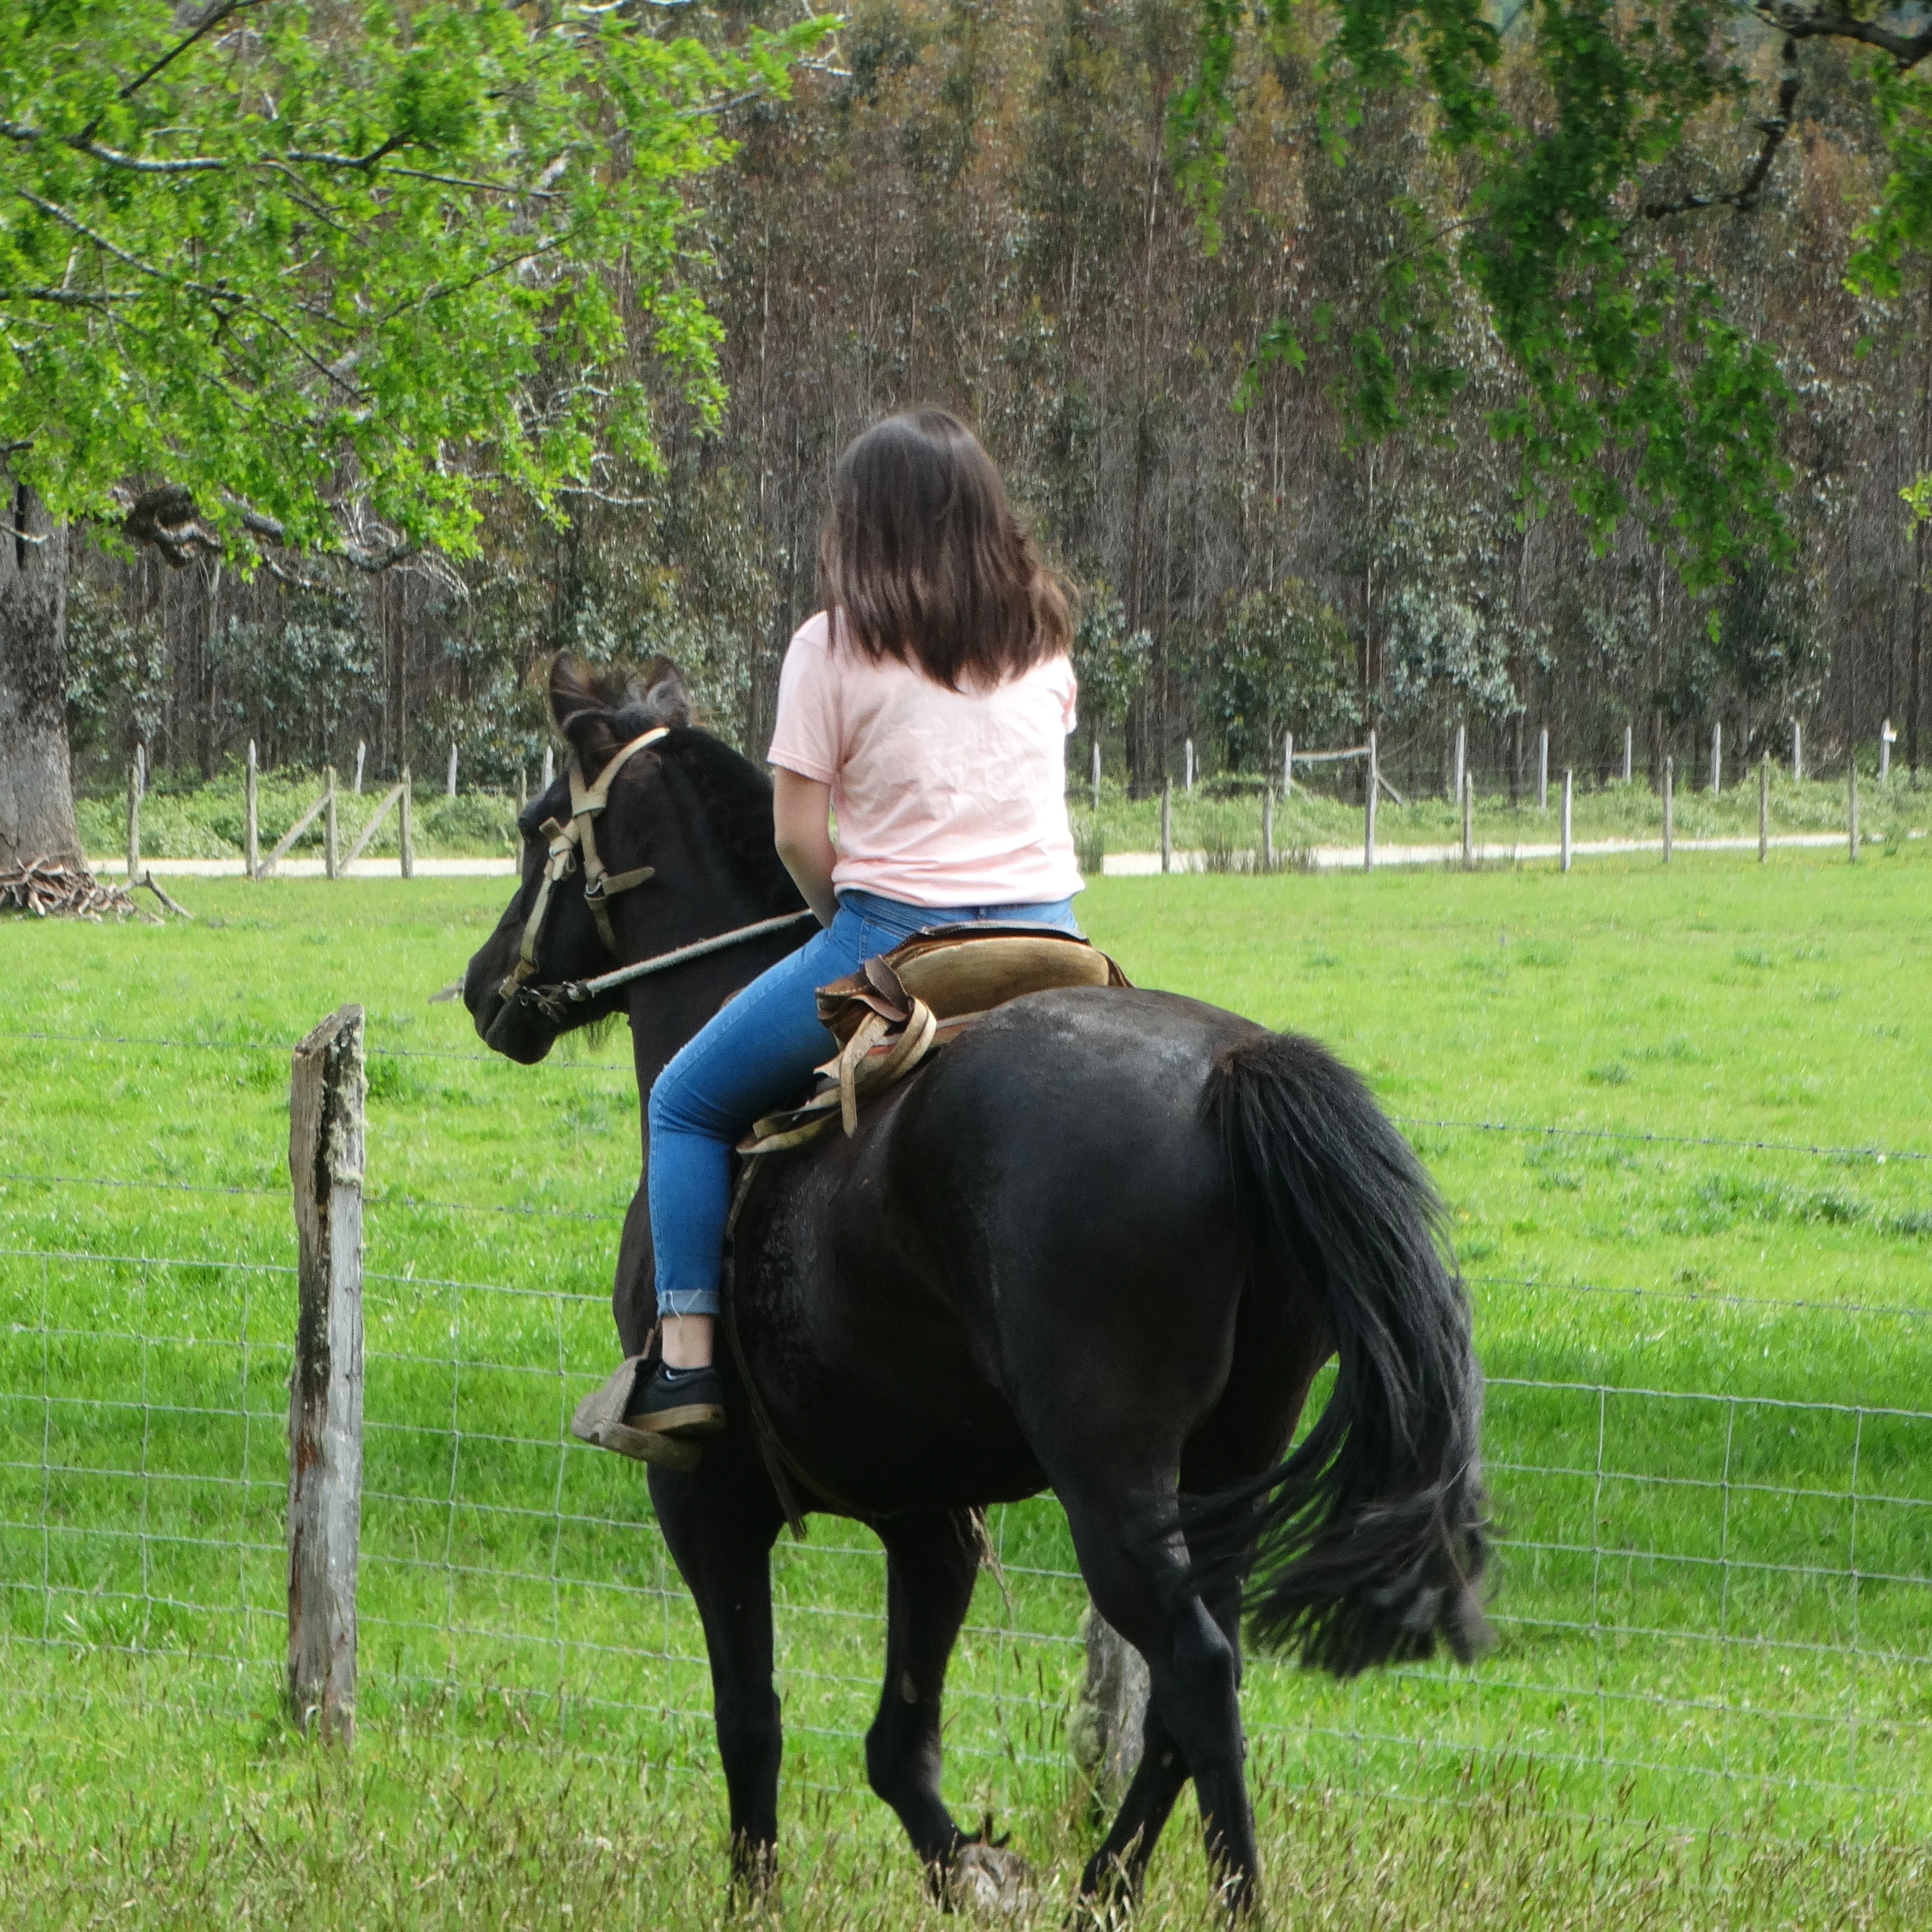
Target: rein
(556, 1001)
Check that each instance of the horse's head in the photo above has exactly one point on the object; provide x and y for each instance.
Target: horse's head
(681, 849)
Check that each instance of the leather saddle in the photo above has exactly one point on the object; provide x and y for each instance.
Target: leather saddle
(902, 1007)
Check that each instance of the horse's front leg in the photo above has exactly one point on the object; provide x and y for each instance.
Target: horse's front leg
(720, 1523)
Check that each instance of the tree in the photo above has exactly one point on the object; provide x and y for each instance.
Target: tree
(1282, 664)
(1641, 390)
(278, 279)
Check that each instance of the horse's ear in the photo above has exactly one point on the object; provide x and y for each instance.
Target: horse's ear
(581, 708)
(661, 692)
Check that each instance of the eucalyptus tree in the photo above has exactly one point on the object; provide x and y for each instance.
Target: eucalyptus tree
(281, 279)
(1581, 166)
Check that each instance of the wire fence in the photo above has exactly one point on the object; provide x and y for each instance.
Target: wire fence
(1716, 1582)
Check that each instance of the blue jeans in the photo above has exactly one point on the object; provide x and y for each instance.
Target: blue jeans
(755, 1055)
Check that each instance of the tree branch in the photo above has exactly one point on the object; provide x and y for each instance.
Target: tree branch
(1815, 22)
(1745, 198)
(218, 11)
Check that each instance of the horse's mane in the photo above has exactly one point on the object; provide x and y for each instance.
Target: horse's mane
(737, 799)
(599, 713)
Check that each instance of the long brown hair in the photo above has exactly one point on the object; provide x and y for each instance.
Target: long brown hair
(928, 563)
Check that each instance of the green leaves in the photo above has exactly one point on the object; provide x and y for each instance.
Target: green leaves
(1637, 392)
(342, 273)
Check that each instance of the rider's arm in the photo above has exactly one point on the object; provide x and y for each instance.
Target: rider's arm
(801, 818)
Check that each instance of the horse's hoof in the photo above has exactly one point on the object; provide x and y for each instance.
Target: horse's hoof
(990, 1879)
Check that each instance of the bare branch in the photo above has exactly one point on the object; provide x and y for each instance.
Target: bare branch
(1744, 197)
(1826, 22)
(218, 10)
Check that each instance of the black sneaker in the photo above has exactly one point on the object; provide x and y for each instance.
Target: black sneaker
(677, 1402)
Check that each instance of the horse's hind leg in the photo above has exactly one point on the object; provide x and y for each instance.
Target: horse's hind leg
(932, 1560)
(1118, 1869)
(1135, 1563)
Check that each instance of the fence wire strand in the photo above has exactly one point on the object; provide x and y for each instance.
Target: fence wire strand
(1640, 1525)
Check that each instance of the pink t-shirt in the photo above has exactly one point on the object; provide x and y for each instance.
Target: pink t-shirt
(943, 798)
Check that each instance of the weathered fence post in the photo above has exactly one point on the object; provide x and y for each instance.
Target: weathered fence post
(1267, 829)
(1188, 752)
(1167, 825)
(330, 850)
(325, 1097)
(449, 790)
(1764, 807)
(1569, 789)
(134, 822)
(1097, 772)
(1368, 808)
(251, 818)
(1288, 765)
(1851, 801)
(1797, 751)
(1462, 757)
(1717, 758)
(1543, 769)
(361, 752)
(1104, 1730)
(1629, 736)
(1669, 782)
(406, 827)
(1469, 821)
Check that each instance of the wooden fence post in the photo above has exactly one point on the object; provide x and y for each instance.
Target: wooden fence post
(1543, 769)
(1267, 829)
(1469, 821)
(1764, 807)
(1368, 808)
(1105, 1729)
(134, 822)
(251, 818)
(1167, 825)
(1189, 754)
(326, 1090)
(1851, 801)
(1797, 751)
(361, 752)
(1569, 790)
(1461, 757)
(406, 827)
(1629, 735)
(1669, 782)
(1717, 758)
(330, 850)
(1287, 764)
(452, 787)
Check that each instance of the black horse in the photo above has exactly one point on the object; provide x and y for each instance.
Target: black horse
(1101, 1244)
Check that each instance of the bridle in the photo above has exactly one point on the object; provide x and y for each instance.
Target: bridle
(600, 887)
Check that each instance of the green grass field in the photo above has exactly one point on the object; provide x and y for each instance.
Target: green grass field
(1711, 1449)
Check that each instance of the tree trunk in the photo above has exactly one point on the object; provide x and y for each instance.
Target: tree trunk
(36, 786)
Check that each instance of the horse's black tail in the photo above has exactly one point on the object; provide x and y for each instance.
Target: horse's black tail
(1370, 1540)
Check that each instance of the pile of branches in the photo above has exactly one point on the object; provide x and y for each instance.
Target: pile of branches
(52, 886)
